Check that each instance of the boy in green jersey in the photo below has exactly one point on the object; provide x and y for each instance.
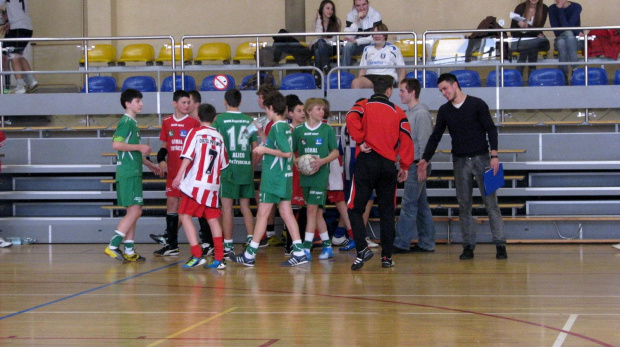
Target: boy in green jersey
(318, 139)
(237, 181)
(276, 183)
(126, 141)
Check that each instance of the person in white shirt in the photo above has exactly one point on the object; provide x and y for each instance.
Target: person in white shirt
(20, 27)
(361, 18)
(324, 46)
(382, 54)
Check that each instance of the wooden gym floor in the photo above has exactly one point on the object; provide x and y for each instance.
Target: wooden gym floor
(543, 295)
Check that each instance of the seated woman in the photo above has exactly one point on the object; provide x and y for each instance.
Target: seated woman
(564, 14)
(529, 43)
(323, 46)
(383, 54)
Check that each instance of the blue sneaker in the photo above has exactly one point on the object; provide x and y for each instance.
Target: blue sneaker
(348, 245)
(241, 259)
(295, 260)
(307, 253)
(327, 253)
(193, 262)
(215, 264)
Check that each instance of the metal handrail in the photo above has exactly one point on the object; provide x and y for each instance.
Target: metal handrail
(84, 41)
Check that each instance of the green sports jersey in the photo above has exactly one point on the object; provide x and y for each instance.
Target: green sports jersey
(277, 173)
(319, 141)
(128, 164)
(231, 125)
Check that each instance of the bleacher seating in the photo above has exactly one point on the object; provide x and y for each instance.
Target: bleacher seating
(217, 83)
(248, 78)
(166, 85)
(245, 51)
(431, 78)
(138, 52)
(300, 80)
(547, 77)
(617, 77)
(345, 80)
(467, 78)
(214, 51)
(100, 53)
(512, 78)
(100, 84)
(141, 83)
(596, 77)
(165, 54)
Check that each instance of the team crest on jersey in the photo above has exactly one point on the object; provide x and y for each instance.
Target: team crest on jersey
(303, 142)
(319, 141)
(183, 133)
(170, 133)
(382, 55)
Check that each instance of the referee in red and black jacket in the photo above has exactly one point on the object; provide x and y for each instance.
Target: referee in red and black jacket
(382, 133)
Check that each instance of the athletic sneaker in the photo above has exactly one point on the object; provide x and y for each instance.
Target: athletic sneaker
(326, 253)
(4, 244)
(263, 243)
(115, 253)
(241, 259)
(338, 241)
(159, 238)
(167, 250)
(207, 249)
(229, 254)
(288, 250)
(308, 255)
(275, 241)
(32, 86)
(193, 262)
(616, 246)
(134, 257)
(19, 90)
(215, 264)
(370, 243)
(362, 256)
(386, 262)
(295, 260)
(348, 245)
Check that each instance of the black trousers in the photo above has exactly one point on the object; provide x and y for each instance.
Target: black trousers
(374, 172)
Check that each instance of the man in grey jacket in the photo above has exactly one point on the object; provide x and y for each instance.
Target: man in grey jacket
(415, 212)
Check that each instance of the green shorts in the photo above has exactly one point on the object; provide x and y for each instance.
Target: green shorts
(314, 196)
(231, 190)
(271, 198)
(129, 191)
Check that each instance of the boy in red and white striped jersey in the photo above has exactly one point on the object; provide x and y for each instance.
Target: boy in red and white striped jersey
(204, 156)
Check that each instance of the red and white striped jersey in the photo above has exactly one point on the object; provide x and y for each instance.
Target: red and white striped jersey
(201, 181)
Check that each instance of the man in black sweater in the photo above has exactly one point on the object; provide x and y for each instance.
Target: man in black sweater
(469, 123)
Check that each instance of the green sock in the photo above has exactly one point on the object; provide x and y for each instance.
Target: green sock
(327, 243)
(298, 248)
(129, 247)
(117, 239)
(307, 244)
(228, 244)
(248, 239)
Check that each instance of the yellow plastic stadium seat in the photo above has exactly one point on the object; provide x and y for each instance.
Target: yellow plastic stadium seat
(215, 51)
(406, 48)
(138, 52)
(246, 50)
(165, 54)
(101, 53)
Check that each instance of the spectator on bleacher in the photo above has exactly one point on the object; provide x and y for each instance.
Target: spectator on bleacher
(566, 13)
(379, 53)
(415, 213)
(605, 44)
(529, 43)
(324, 47)
(20, 26)
(362, 18)
(4, 27)
(469, 123)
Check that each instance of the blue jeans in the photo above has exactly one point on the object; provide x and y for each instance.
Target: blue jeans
(415, 214)
(567, 46)
(348, 51)
(323, 52)
(464, 169)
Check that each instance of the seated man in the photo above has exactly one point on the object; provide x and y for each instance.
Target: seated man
(361, 18)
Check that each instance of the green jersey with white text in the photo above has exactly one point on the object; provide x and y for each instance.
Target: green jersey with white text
(277, 173)
(128, 163)
(231, 125)
(320, 141)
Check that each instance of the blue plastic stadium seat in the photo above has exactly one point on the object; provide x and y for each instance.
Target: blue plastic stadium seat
(217, 83)
(512, 78)
(100, 84)
(246, 80)
(547, 77)
(190, 83)
(467, 78)
(596, 77)
(299, 80)
(431, 78)
(345, 80)
(141, 83)
(617, 77)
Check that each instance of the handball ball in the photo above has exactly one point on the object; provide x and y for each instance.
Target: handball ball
(304, 164)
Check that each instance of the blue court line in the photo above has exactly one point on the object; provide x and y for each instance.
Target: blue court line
(86, 291)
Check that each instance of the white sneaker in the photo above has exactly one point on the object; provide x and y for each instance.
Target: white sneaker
(370, 243)
(616, 246)
(337, 241)
(32, 86)
(19, 90)
(4, 244)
